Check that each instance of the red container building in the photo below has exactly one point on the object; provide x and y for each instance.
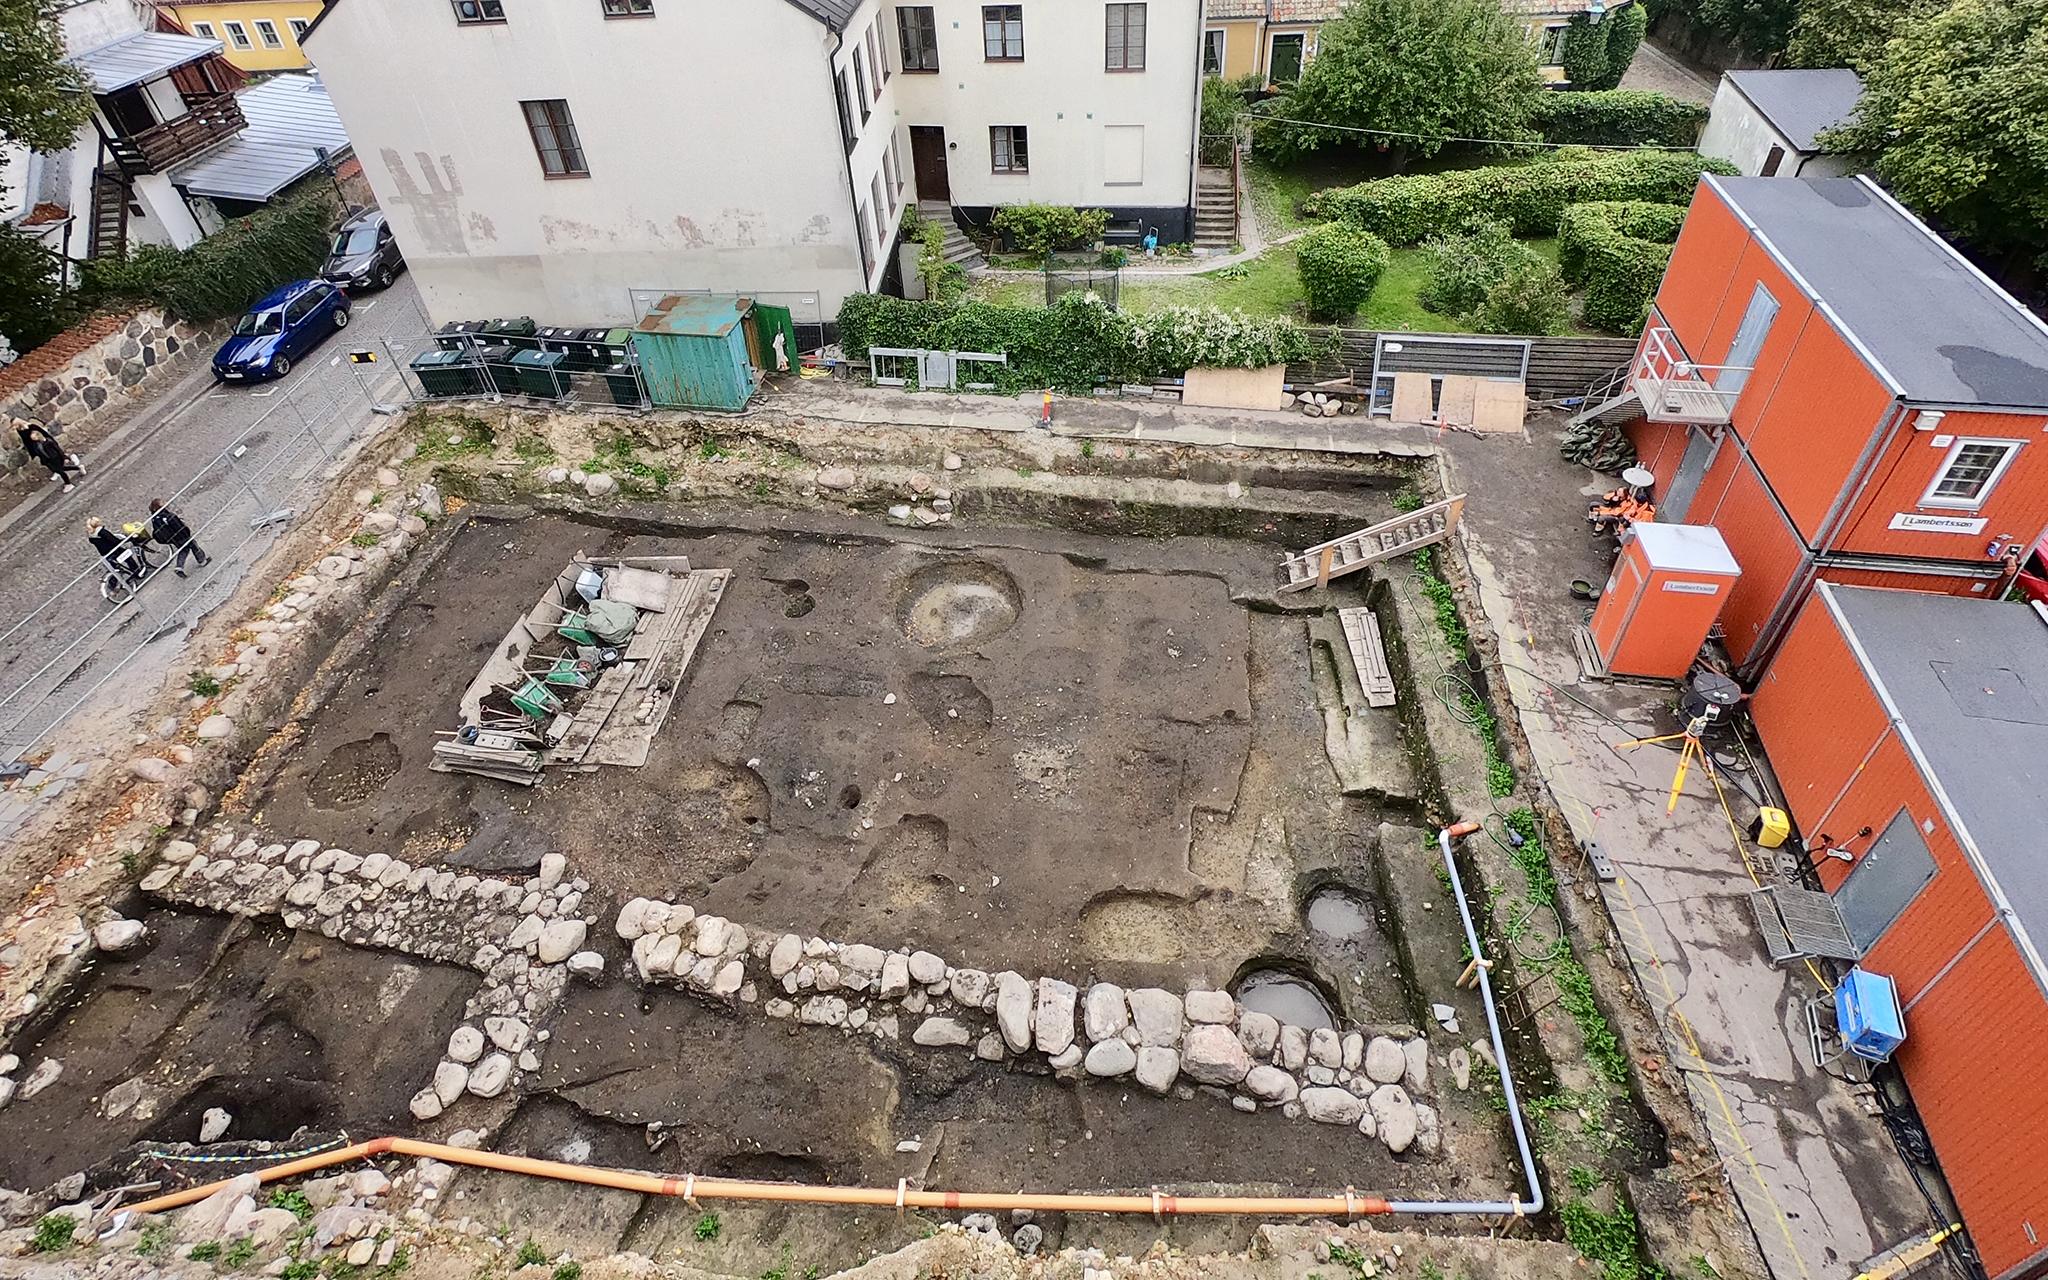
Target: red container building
(1924, 718)
(1843, 395)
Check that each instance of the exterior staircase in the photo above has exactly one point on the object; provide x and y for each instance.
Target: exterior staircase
(959, 249)
(109, 229)
(1215, 209)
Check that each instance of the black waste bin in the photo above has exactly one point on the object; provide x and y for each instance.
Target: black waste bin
(497, 373)
(457, 335)
(518, 332)
(625, 388)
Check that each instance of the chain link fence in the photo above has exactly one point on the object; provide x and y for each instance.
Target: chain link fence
(67, 648)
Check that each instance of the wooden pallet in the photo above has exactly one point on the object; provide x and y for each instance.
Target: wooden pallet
(1383, 541)
(1368, 655)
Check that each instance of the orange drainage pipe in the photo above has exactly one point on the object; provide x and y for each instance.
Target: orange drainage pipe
(692, 1188)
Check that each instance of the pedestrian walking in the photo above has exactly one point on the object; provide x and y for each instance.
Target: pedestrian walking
(165, 527)
(43, 447)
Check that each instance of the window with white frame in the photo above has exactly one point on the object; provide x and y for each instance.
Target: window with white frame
(204, 30)
(896, 160)
(1002, 32)
(881, 198)
(888, 174)
(266, 31)
(875, 58)
(1969, 472)
(299, 26)
(860, 82)
(238, 35)
(1212, 51)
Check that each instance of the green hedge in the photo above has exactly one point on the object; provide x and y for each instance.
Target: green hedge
(1076, 343)
(1038, 229)
(222, 274)
(1339, 267)
(1617, 252)
(1618, 118)
(1530, 198)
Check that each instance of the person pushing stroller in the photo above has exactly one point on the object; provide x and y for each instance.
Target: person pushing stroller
(167, 528)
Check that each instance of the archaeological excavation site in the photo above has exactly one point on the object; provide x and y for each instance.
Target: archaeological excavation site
(814, 836)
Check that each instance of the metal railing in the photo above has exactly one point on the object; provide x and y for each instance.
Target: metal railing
(56, 657)
(1674, 389)
(499, 367)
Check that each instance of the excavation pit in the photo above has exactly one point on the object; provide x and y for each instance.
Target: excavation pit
(1045, 746)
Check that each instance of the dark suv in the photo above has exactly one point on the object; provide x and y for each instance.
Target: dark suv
(364, 255)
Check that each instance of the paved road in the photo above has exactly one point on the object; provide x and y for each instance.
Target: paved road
(59, 638)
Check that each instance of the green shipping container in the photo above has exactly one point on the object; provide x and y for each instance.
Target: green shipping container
(693, 352)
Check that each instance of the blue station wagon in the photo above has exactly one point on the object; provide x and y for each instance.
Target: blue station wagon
(280, 329)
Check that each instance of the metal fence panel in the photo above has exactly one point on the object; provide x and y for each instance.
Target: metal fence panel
(1106, 285)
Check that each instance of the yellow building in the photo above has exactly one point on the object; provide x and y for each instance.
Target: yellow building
(1274, 39)
(255, 35)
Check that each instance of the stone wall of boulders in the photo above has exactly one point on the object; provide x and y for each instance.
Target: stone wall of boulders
(1168, 1042)
(92, 370)
(524, 937)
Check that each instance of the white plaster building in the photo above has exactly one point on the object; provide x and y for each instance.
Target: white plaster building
(551, 159)
(174, 147)
(1767, 123)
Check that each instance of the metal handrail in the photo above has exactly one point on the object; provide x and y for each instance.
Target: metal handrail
(1662, 362)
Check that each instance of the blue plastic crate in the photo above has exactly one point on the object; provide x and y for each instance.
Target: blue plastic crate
(1868, 1016)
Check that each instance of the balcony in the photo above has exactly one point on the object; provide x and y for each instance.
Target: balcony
(1674, 389)
(207, 122)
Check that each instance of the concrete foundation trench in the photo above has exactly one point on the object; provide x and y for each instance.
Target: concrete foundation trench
(1068, 742)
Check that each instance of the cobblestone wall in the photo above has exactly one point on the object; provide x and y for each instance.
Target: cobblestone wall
(94, 370)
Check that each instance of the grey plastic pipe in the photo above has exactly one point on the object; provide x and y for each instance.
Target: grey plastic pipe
(1534, 1204)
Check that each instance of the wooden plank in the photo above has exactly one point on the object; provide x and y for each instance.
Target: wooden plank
(626, 741)
(1413, 396)
(1368, 655)
(596, 708)
(1456, 405)
(1499, 407)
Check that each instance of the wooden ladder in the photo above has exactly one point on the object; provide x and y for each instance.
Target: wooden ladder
(1383, 541)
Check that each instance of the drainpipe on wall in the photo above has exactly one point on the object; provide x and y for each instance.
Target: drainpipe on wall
(1195, 126)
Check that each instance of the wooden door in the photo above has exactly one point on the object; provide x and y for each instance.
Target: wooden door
(928, 159)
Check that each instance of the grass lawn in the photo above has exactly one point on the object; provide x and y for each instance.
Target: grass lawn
(1270, 288)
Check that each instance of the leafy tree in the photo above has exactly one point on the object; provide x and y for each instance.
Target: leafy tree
(43, 100)
(1530, 298)
(1222, 102)
(1851, 33)
(1435, 68)
(33, 309)
(1464, 267)
(1957, 115)
(1339, 267)
(1631, 23)
(1760, 26)
(1585, 52)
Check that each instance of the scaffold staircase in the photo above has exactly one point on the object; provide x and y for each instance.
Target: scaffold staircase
(1383, 541)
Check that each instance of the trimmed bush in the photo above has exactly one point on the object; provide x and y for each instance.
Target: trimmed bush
(1617, 252)
(1038, 229)
(1339, 266)
(1530, 298)
(1618, 118)
(222, 274)
(1631, 24)
(1464, 268)
(1529, 198)
(1076, 343)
